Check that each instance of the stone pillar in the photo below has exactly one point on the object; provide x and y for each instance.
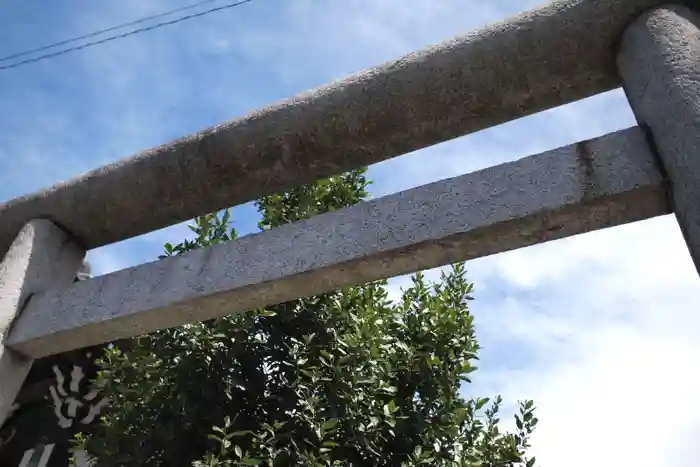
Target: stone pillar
(659, 62)
(42, 257)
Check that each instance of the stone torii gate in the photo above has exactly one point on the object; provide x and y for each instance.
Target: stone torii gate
(561, 52)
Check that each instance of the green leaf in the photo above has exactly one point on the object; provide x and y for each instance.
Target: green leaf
(251, 461)
(518, 423)
(481, 402)
(330, 424)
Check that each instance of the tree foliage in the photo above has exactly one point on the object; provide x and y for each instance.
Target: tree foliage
(345, 378)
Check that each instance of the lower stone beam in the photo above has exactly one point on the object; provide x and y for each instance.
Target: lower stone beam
(590, 185)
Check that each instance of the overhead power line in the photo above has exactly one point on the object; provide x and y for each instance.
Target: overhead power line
(115, 37)
(102, 31)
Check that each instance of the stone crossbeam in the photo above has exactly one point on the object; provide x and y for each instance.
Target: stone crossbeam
(590, 185)
(558, 53)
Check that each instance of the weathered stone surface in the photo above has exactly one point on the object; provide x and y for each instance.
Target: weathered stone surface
(659, 61)
(41, 258)
(586, 186)
(558, 53)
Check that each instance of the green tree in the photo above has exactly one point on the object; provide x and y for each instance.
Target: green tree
(344, 378)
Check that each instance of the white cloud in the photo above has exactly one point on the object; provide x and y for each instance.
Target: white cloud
(629, 399)
(611, 344)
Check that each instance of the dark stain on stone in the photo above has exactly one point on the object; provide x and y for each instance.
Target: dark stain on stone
(586, 169)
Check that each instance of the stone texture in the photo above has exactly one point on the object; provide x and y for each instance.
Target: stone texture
(561, 52)
(41, 258)
(590, 185)
(659, 61)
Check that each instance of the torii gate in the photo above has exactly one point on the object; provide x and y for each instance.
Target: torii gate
(558, 53)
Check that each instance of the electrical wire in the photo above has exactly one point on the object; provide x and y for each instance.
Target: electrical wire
(102, 31)
(116, 37)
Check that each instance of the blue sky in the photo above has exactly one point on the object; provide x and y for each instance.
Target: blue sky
(598, 329)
